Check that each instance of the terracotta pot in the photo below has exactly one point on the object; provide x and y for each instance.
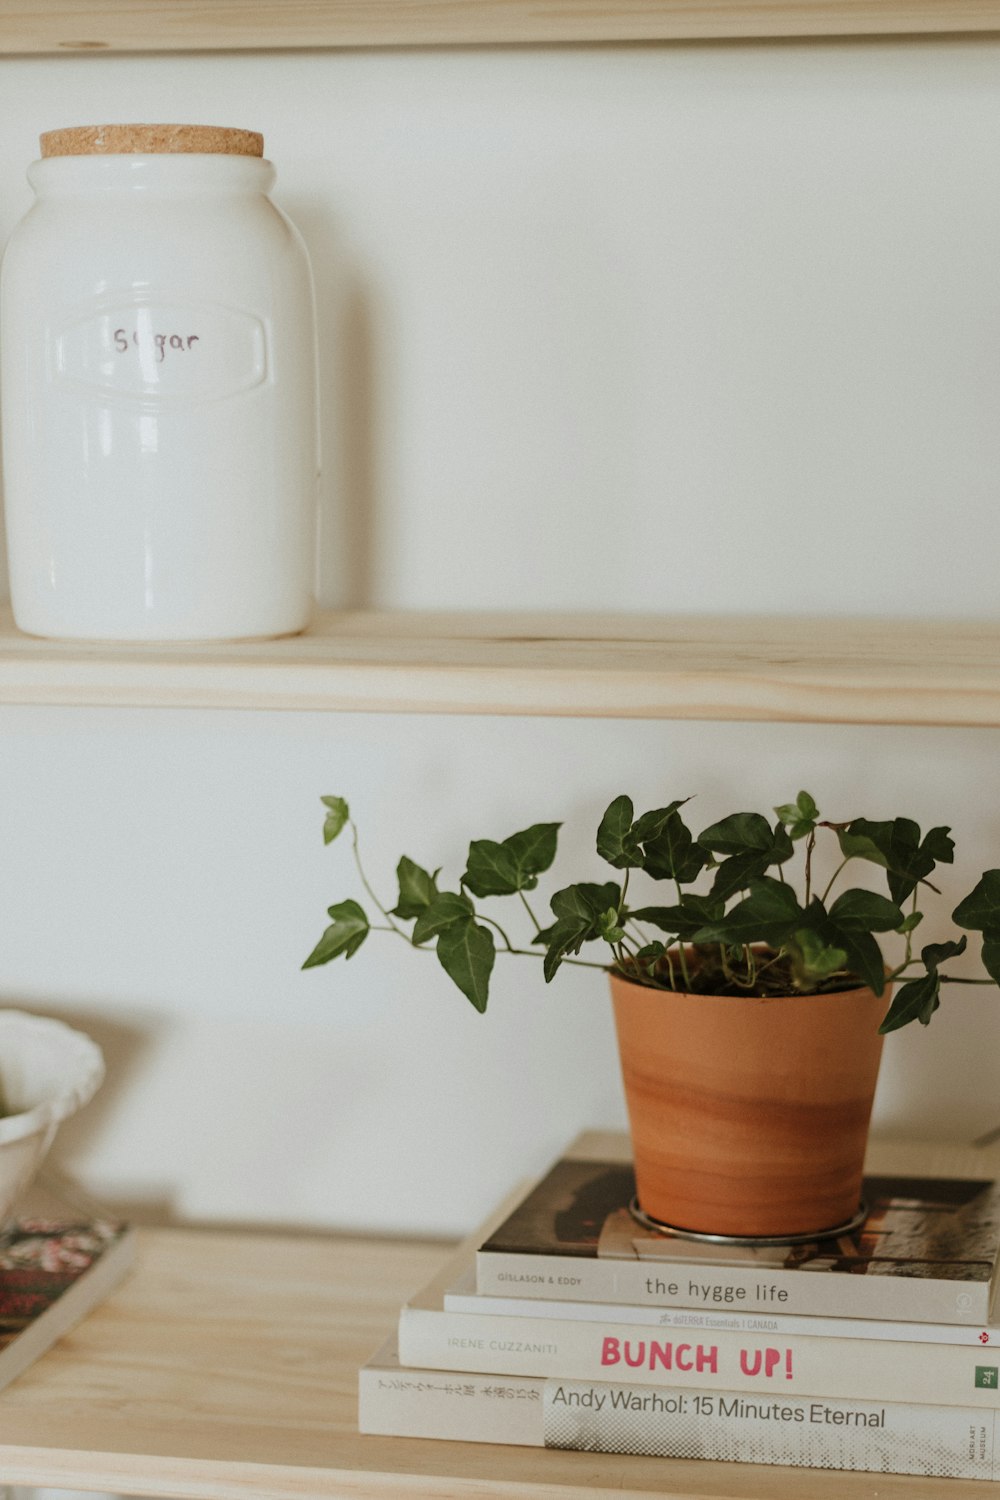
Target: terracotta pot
(748, 1116)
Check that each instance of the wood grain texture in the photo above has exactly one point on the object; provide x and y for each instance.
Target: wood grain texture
(225, 1369)
(39, 26)
(781, 670)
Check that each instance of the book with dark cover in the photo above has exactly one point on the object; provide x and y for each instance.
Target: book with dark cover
(927, 1251)
(53, 1272)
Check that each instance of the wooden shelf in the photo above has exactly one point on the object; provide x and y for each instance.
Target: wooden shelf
(225, 1369)
(792, 670)
(40, 26)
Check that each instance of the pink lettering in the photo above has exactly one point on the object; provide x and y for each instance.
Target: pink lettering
(755, 1362)
(652, 1354)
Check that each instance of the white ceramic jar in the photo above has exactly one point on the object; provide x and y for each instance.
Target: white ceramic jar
(158, 385)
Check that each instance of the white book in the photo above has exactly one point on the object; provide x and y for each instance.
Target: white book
(927, 1252)
(759, 1365)
(463, 1298)
(955, 1442)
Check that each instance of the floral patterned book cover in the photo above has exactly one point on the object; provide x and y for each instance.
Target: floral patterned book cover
(53, 1272)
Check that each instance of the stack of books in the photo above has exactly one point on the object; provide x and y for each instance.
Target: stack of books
(564, 1323)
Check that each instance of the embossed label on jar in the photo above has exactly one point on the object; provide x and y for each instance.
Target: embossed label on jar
(155, 350)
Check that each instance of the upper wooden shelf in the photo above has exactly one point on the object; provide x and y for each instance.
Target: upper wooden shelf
(39, 26)
(794, 670)
(225, 1368)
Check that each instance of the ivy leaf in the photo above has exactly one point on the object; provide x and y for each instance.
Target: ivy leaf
(913, 920)
(651, 824)
(864, 956)
(813, 959)
(991, 955)
(578, 910)
(564, 937)
(491, 869)
(920, 998)
(616, 840)
(737, 873)
(799, 816)
(896, 846)
(980, 910)
(417, 889)
(649, 957)
(533, 850)
(338, 815)
(502, 869)
(673, 854)
(915, 1001)
(935, 954)
(769, 914)
(608, 926)
(448, 910)
(681, 921)
(939, 846)
(466, 952)
(585, 899)
(344, 936)
(866, 911)
(744, 833)
(672, 919)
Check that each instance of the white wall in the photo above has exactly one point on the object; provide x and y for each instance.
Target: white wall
(682, 329)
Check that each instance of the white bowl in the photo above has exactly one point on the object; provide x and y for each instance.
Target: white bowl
(47, 1072)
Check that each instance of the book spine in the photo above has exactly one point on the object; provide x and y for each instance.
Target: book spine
(756, 1324)
(600, 1417)
(871, 1369)
(657, 1283)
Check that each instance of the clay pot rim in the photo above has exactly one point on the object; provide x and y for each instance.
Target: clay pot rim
(634, 987)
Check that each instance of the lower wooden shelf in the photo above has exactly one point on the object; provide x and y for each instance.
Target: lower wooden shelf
(225, 1367)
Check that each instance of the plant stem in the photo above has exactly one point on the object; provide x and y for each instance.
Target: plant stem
(508, 945)
(909, 936)
(578, 963)
(810, 846)
(833, 877)
(531, 914)
(621, 899)
(364, 881)
(682, 956)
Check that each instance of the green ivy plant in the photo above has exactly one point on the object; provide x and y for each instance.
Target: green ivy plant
(736, 922)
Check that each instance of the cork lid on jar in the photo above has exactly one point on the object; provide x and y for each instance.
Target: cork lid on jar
(123, 140)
